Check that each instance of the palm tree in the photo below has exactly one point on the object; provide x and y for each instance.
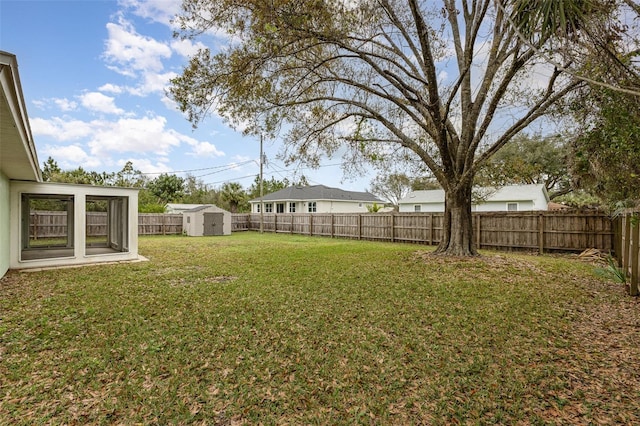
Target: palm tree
(234, 194)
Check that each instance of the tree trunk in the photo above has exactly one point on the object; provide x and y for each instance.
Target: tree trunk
(457, 227)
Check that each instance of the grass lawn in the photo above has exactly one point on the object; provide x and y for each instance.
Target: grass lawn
(280, 329)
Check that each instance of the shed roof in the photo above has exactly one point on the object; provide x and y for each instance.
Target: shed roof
(174, 206)
(318, 192)
(204, 207)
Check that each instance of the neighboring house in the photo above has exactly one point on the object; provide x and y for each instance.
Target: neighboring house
(206, 220)
(315, 199)
(506, 198)
(23, 194)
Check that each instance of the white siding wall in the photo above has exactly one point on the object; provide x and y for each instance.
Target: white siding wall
(424, 208)
(492, 206)
(324, 206)
(341, 207)
(501, 206)
(5, 224)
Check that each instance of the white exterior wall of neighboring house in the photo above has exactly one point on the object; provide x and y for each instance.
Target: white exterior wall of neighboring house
(421, 207)
(342, 207)
(302, 199)
(80, 254)
(4, 223)
(322, 206)
(503, 206)
(507, 198)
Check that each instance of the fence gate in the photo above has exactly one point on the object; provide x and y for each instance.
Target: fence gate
(213, 224)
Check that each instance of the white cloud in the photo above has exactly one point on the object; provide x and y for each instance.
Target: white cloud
(111, 88)
(65, 104)
(98, 102)
(142, 135)
(131, 52)
(139, 57)
(59, 129)
(104, 139)
(39, 103)
(161, 11)
(152, 83)
(205, 149)
(186, 48)
(71, 156)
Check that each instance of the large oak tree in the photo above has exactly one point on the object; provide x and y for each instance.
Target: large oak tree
(445, 83)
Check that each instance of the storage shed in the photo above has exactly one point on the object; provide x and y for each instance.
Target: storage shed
(206, 220)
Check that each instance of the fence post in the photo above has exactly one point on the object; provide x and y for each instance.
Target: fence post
(332, 224)
(311, 224)
(35, 225)
(617, 240)
(626, 244)
(164, 225)
(430, 229)
(478, 222)
(393, 227)
(541, 233)
(635, 252)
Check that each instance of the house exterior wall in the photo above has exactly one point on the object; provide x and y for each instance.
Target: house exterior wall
(322, 206)
(491, 206)
(424, 207)
(5, 224)
(80, 193)
(502, 206)
(519, 197)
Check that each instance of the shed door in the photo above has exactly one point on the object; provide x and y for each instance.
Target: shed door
(213, 224)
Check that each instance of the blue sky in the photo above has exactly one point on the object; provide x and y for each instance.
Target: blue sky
(93, 75)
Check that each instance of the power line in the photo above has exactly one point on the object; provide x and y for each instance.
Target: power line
(230, 165)
(273, 167)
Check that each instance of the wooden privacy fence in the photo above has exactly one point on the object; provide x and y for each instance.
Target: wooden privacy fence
(54, 224)
(159, 224)
(536, 230)
(627, 247)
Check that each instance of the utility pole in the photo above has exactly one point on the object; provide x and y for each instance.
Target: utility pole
(261, 188)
